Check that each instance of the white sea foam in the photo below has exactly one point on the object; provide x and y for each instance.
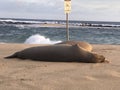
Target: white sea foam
(20, 26)
(7, 20)
(19, 21)
(38, 39)
(2, 43)
(28, 21)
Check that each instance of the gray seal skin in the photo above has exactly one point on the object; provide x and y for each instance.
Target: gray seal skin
(82, 44)
(59, 53)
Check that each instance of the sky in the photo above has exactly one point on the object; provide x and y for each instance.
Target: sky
(90, 10)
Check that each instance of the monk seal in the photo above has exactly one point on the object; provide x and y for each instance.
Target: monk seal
(59, 53)
(82, 44)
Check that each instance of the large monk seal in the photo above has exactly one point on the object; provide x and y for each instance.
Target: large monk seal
(82, 44)
(58, 53)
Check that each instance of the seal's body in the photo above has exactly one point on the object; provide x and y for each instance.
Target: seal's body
(58, 53)
(84, 45)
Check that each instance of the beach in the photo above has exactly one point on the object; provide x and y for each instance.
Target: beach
(16, 74)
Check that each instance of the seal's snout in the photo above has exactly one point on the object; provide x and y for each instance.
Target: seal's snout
(99, 58)
(102, 58)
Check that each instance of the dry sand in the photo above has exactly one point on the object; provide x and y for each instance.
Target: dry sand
(16, 74)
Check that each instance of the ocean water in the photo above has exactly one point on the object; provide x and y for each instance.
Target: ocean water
(30, 31)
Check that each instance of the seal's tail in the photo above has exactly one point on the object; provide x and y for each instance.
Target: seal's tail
(12, 56)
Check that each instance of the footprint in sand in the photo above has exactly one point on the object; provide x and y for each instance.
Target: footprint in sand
(90, 78)
(115, 74)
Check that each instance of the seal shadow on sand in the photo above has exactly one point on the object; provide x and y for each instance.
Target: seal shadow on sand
(69, 51)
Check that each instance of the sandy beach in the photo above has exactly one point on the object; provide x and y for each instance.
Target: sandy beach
(16, 74)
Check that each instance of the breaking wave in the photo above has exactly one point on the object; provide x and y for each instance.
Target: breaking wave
(38, 39)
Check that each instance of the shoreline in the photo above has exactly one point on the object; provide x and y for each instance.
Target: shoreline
(57, 25)
(19, 74)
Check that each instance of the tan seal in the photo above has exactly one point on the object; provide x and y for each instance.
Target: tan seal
(82, 44)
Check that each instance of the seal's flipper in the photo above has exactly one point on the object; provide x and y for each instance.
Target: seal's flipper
(12, 56)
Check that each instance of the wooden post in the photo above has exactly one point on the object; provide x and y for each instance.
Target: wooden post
(67, 27)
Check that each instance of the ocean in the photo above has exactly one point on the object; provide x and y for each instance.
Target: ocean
(31, 31)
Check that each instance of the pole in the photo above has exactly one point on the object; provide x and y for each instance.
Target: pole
(67, 28)
(67, 5)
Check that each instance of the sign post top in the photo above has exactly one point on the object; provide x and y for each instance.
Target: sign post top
(67, 6)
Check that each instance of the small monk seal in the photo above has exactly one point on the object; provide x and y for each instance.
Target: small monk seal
(59, 53)
(82, 44)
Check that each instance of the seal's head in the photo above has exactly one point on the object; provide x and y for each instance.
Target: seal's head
(98, 58)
